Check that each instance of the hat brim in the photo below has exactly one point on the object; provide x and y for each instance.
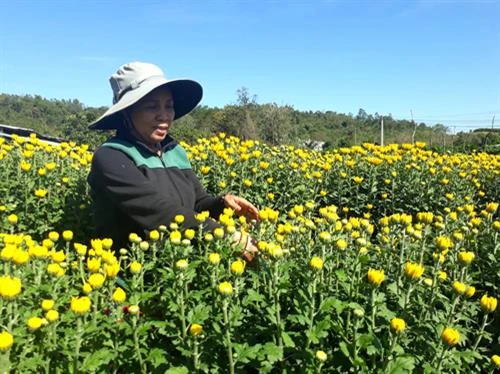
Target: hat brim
(186, 94)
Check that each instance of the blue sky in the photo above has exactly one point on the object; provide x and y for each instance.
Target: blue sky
(439, 59)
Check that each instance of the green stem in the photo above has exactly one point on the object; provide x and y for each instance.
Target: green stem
(312, 313)
(196, 356)
(438, 370)
(480, 336)
(229, 343)
(373, 307)
(393, 344)
(78, 343)
(137, 346)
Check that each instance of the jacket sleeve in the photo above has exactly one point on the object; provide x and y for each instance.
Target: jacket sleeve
(117, 177)
(214, 204)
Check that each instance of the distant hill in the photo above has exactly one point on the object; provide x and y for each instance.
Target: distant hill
(247, 119)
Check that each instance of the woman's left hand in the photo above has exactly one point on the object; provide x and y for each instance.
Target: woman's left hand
(242, 207)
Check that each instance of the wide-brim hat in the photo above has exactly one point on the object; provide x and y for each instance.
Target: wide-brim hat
(135, 80)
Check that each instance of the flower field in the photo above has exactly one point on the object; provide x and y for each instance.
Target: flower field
(373, 259)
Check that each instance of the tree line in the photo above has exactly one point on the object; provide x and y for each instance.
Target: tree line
(247, 119)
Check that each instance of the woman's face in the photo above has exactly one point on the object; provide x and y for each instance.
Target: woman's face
(153, 115)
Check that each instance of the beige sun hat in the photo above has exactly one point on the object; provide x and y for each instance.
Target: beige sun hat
(135, 80)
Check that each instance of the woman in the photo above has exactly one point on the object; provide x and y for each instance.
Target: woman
(141, 178)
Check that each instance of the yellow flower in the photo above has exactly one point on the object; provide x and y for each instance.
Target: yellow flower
(225, 288)
(488, 303)
(119, 295)
(189, 234)
(238, 267)
(376, 277)
(175, 237)
(495, 359)
(54, 236)
(47, 304)
(195, 329)
(52, 315)
(325, 236)
(67, 235)
(459, 287)
(12, 219)
(470, 291)
(321, 356)
(154, 235)
(214, 258)
(443, 243)
(94, 264)
(80, 305)
(219, 232)
(491, 207)
(179, 219)
(112, 270)
(181, 264)
(398, 325)
(58, 256)
(357, 180)
(96, 280)
(135, 267)
(414, 271)
(144, 245)
(9, 287)
(86, 288)
(80, 248)
(6, 340)
(450, 336)
(134, 309)
(341, 244)
(34, 323)
(41, 192)
(316, 263)
(465, 258)
(107, 243)
(134, 238)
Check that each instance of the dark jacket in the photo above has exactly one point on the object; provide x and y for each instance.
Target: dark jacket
(133, 189)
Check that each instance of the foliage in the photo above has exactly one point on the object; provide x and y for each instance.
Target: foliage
(349, 240)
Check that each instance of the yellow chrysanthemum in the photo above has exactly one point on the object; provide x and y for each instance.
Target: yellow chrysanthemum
(225, 288)
(10, 287)
(6, 340)
(195, 329)
(80, 305)
(414, 271)
(119, 295)
(450, 336)
(376, 277)
(238, 267)
(214, 258)
(398, 325)
(316, 263)
(488, 303)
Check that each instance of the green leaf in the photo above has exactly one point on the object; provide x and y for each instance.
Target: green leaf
(177, 370)
(157, 357)
(345, 350)
(402, 364)
(287, 340)
(272, 352)
(97, 359)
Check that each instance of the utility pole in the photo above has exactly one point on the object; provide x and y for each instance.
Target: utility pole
(414, 128)
(382, 131)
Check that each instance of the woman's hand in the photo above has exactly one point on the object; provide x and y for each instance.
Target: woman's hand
(241, 207)
(249, 250)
